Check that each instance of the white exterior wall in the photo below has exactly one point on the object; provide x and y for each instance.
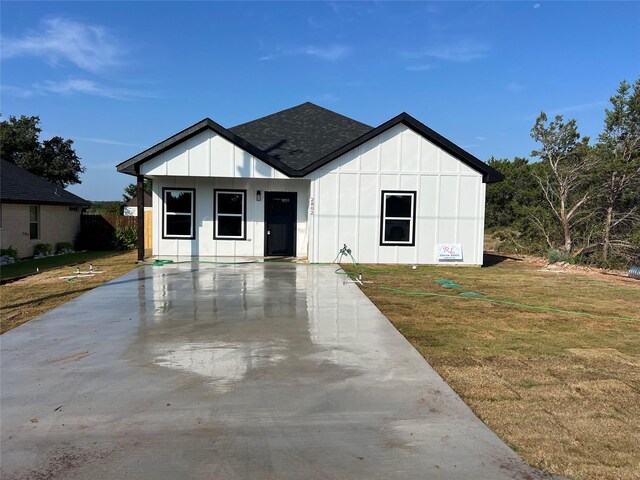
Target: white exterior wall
(207, 162)
(346, 199)
(208, 155)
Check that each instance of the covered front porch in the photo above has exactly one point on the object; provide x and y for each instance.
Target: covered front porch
(227, 218)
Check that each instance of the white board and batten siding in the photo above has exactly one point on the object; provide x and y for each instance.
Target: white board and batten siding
(206, 162)
(346, 199)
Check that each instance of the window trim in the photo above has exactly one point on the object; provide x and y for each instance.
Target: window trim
(37, 222)
(412, 228)
(243, 215)
(164, 213)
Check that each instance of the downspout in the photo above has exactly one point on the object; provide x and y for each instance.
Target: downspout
(140, 197)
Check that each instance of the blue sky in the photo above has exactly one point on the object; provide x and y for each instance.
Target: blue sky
(118, 77)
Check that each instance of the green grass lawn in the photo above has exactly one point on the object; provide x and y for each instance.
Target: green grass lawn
(560, 387)
(26, 267)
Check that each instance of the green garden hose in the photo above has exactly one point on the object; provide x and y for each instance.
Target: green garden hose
(504, 302)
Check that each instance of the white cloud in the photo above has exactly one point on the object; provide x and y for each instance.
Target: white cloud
(106, 141)
(537, 5)
(482, 139)
(330, 53)
(89, 47)
(582, 107)
(463, 51)
(87, 87)
(18, 92)
(75, 86)
(419, 68)
(325, 98)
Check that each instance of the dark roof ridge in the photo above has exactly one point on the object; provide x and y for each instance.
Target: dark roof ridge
(293, 108)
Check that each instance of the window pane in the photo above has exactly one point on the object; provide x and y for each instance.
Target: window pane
(33, 231)
(178, 201)
(229, 226)
(33, 213)
(398, 206)
(397, 230)
(230, 203)
(178, 224)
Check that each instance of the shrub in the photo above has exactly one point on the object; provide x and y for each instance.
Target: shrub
(64, 247)
(125, 237)
(42, 250)
(555, 256)
(10, 252)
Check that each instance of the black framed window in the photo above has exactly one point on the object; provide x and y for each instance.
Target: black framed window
(230, 214)
(398, 223)
(34, 222)
(179, 212)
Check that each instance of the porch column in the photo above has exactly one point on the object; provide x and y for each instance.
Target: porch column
(140, 197)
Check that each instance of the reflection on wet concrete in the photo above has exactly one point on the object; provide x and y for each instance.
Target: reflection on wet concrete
(232, 372)
(220, 363)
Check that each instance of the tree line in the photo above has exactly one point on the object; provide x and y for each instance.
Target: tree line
(579, 201)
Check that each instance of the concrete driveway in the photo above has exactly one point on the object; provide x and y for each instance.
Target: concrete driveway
(254, 371)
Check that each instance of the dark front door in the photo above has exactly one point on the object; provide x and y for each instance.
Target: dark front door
(280, 224)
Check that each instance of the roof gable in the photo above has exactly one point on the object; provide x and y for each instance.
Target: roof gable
(131, 166)
(489, 174)
(17, 185)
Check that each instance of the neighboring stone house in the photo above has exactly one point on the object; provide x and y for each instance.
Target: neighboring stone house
(34, 210)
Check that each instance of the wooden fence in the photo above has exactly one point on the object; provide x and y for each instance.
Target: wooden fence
(148, 231)
(99, 229)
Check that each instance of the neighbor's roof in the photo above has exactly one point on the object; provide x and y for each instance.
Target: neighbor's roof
(302, 139)
(133, 202)
(20, 186)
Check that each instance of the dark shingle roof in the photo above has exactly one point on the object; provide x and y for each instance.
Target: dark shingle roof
(20, 186)
(301, 135)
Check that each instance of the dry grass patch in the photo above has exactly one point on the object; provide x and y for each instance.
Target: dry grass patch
(25, 299)
(562, 389)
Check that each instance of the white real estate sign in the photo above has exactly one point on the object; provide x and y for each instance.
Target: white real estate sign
(449, 251)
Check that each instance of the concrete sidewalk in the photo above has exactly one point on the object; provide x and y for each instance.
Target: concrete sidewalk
(254, 371)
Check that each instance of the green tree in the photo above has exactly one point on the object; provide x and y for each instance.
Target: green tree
(19, 138)
(131, 190)
(54, 159)
(505, 200)
(618, 171)
(563, 176)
